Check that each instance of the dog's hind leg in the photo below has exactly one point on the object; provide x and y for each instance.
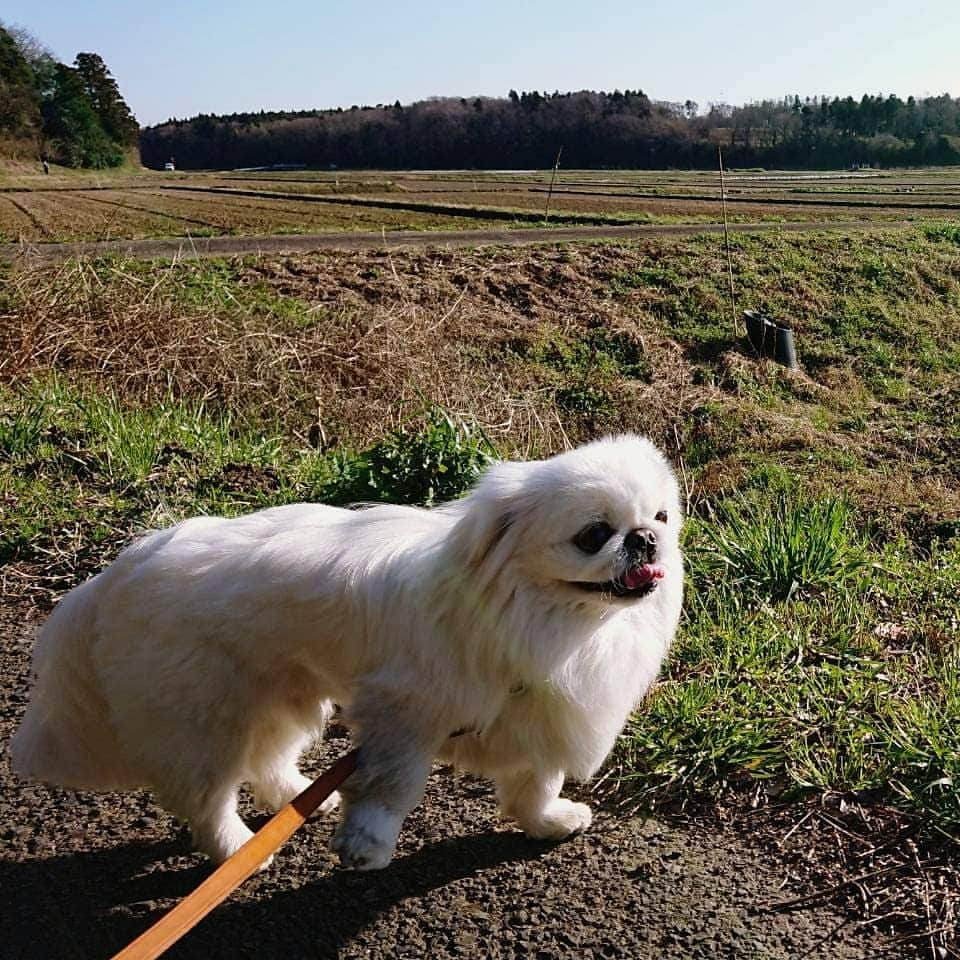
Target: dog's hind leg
(276, 785)
(211, 814)
(274, 757)
(533, 799)
(217, 828)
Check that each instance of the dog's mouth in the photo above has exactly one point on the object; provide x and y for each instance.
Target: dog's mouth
(635, 582)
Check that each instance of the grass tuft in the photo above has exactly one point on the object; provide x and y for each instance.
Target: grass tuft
(771, 552)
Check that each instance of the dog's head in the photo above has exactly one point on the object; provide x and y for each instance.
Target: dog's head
(597, 526)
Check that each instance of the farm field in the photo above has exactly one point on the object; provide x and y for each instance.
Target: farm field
(801, 750)
(91, 207)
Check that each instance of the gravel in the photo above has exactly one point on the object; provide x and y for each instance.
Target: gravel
(82, 874)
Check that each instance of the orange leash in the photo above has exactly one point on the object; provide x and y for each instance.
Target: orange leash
(230, 874)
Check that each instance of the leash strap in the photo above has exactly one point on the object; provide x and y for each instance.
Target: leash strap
(230, 874)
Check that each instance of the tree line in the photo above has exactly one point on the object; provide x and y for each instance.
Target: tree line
(72, 115)
(595, 129)
(75, 115)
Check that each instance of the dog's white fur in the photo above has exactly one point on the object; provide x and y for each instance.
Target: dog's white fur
(211, 653)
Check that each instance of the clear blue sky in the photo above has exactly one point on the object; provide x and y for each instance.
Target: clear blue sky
(182, 57)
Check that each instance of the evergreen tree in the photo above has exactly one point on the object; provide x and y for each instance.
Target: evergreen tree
(71, 123)
(104, 94)
(75, 115)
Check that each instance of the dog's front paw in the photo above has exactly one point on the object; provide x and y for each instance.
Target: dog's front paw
(366, 839)
(559, 819)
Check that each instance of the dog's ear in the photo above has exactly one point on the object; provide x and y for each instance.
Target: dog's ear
(493, 508)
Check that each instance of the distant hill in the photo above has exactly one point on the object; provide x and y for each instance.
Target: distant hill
(595, 129)
(72, 115)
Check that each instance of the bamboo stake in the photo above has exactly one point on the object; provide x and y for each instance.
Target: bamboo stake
(726, 241)
(546, 212)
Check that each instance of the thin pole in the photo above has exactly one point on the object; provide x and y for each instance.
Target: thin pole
(726, 240)
(546, 212)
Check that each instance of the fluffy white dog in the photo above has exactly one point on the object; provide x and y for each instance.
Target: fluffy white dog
(510, 632)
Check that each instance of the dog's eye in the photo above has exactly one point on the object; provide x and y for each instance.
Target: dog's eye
(661, 516)
(592, 537)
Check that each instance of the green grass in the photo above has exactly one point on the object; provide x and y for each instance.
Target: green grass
(84, 462)
(820, 647)
(773, 552)
(854, 690)
(585, 370)
(428, 464)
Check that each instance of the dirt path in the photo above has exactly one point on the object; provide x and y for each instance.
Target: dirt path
(82, 874)
(225, 246)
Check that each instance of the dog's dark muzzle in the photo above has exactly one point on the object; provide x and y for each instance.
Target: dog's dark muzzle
(640, 546)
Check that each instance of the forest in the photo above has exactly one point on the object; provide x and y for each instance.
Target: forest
(622, 129)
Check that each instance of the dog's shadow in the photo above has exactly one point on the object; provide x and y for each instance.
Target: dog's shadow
(90, 905)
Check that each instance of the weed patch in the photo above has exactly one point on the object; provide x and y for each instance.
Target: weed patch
(821, 694)
(769, 553)
(424, 466)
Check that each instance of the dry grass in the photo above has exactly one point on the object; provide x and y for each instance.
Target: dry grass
(351, 342)
(546, 346)
(881, 870)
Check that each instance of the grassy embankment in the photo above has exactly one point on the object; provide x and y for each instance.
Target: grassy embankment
(819, 650)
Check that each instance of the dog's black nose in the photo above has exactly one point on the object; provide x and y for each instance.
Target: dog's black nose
(641, 543)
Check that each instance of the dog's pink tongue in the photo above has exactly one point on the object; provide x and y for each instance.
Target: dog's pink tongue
(638, 576)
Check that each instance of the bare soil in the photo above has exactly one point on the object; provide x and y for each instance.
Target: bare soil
(83, 874)
(97, 207)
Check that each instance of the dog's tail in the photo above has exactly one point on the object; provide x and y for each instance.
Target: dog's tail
(65, 737)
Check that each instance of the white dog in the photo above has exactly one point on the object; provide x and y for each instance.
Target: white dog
(510, 632)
